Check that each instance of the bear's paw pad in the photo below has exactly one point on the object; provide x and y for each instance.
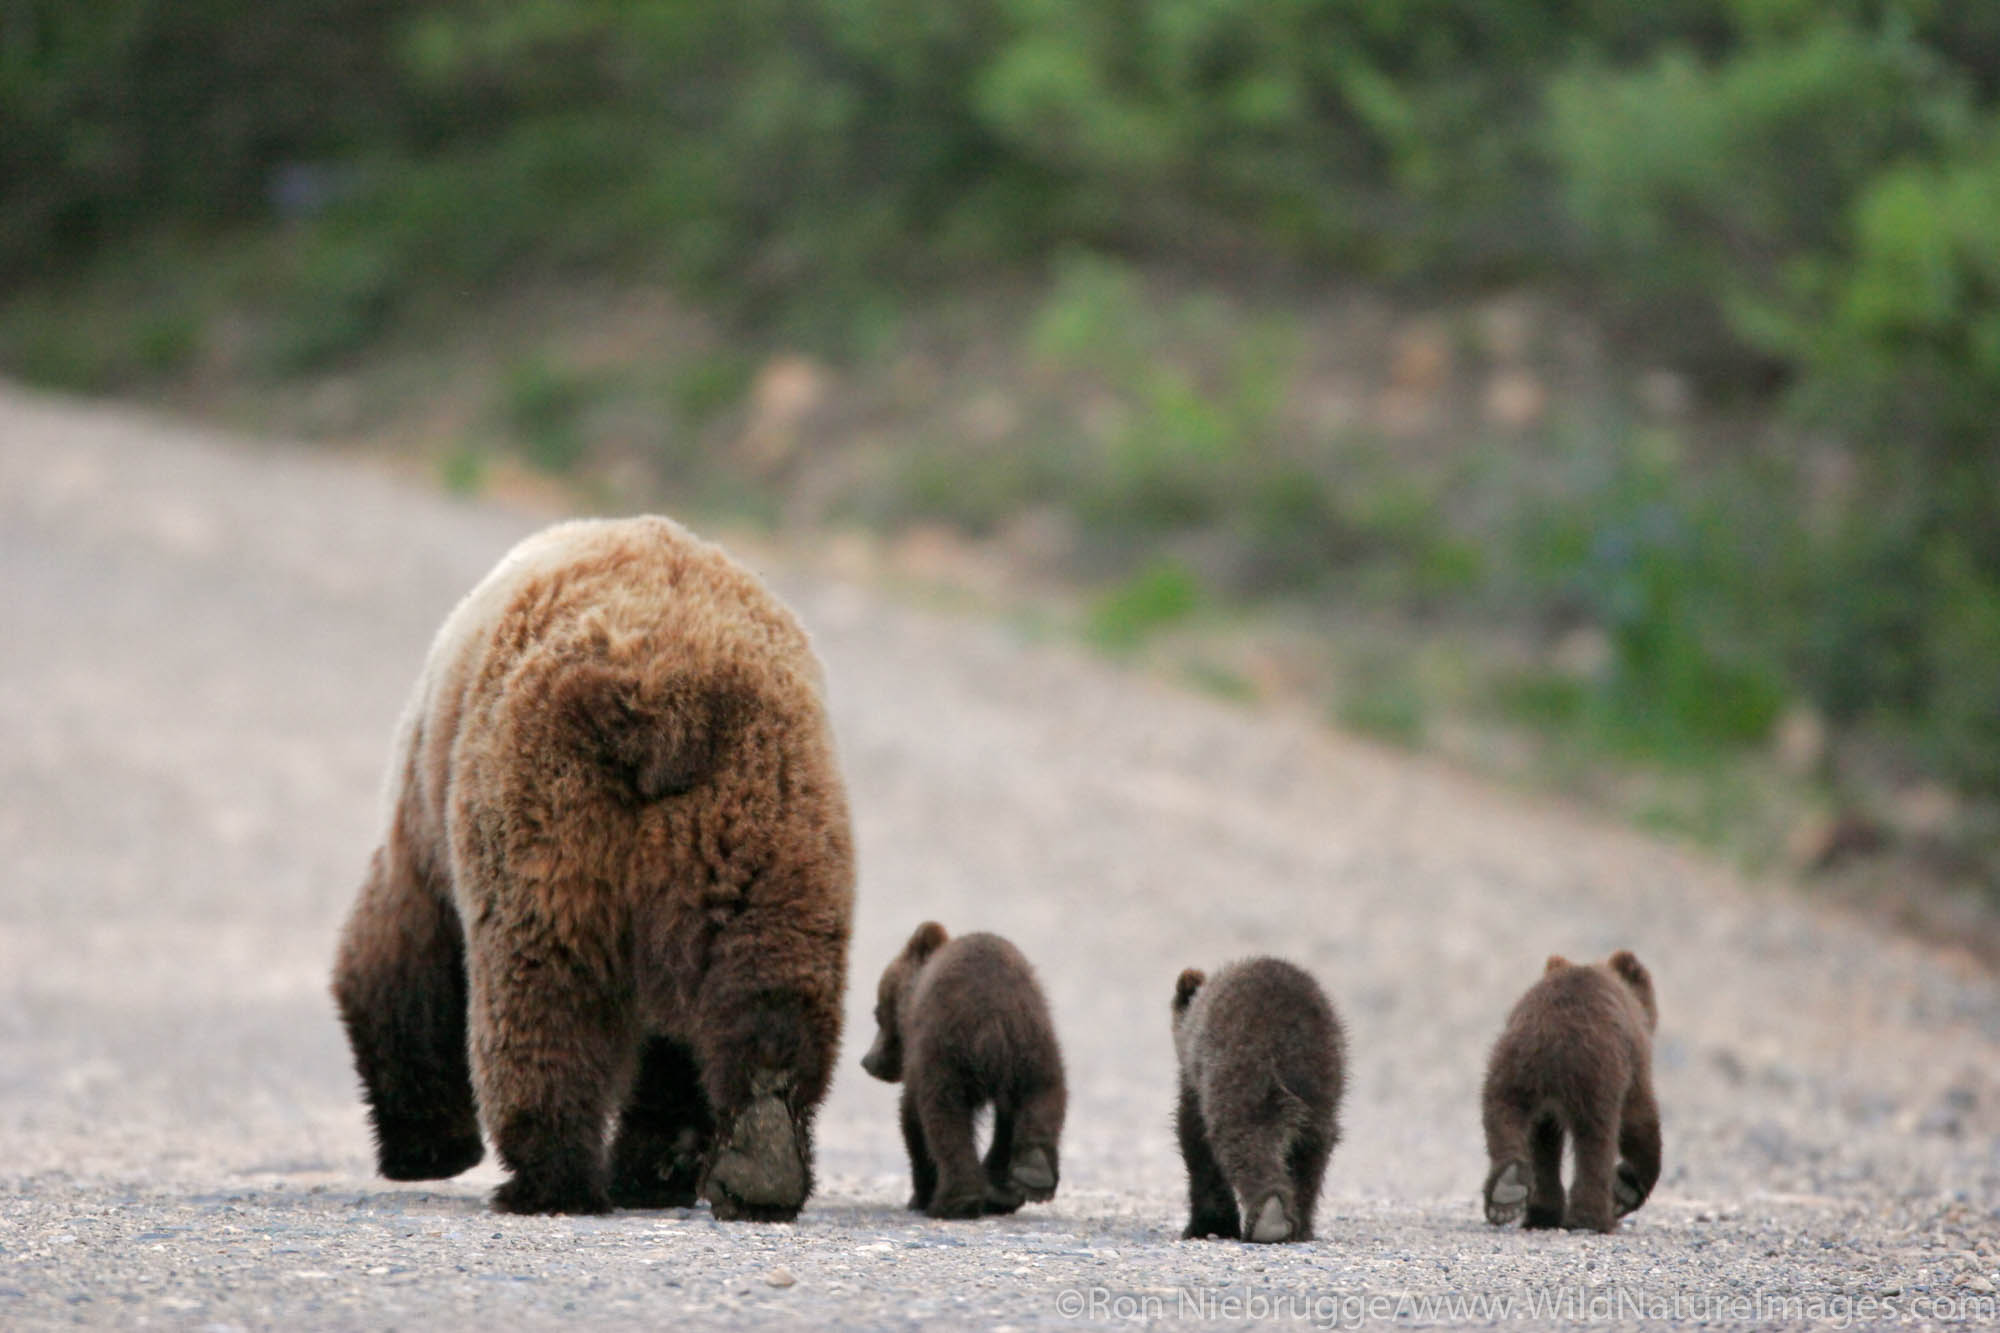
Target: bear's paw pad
(1273, 1224)
(428, 1157)
(761, 1170)
(1625, 1190)
(1033, 1173)
(1506, 1194)
(1003, 1199)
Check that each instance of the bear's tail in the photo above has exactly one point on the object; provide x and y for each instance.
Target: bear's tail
(657, 743)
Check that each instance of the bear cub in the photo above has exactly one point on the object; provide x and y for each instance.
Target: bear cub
(1262, 1068)
(1575, 1059)
(963, 1023)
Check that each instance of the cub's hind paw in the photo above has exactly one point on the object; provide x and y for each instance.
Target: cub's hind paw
(1003, 1199)
(1506, 1194)
(1033, 1174)
(957, 1207)
(1273, 1223)
(1625, 1191)
(523, 1195)
(424, 1156)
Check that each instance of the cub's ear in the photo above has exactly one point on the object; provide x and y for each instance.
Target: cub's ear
(1556, 963)
(1627, 965)
(929, 938)
(1184, 989)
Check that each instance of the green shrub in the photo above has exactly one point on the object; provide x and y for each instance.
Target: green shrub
(543, 404)
(1162, 594)
(1385, 702)
(1684, 585)
(1700, 185)
(1963, 651)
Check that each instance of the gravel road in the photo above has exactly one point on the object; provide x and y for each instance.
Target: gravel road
(205, 644)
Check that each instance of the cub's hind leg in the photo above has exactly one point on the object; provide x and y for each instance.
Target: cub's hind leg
(1545, 1194)
(1211, 1203)
(1508, 1174)
(1638, 1150)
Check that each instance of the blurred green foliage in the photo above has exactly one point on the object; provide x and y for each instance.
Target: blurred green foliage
(1162, 594)
(1793, 198)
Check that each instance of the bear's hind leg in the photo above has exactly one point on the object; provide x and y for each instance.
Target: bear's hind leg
(1590, 1201)
(1307, 1164)
(764, 1060)
(399, 982)
(1211, 1204)
(923, 1170)
(553, 1052)
(1001, 1196)
(1034, 1166)
(946, 1115)
(663, 1132)
(1545, 1195)
(1638, 1150)
(1505, 1193)
(1253, 1142)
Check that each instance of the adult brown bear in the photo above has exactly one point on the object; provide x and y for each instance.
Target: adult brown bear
(616, 877)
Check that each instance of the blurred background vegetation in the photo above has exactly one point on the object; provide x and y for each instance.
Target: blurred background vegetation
(1599, 391)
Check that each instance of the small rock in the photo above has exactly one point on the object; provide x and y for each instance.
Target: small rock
(1823, 841)
(1507, 331)
(1582, 654)
(1798, 742)
(1513, 399)
(787, 391)
(1663, 393)
(990, 417)
(1421, 360)
(780, 1277)
(1978, 1282)
(1924, 810)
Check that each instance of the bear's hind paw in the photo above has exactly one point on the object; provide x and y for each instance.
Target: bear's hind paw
(414, 1157)
(1273, 1224)
(1506, 1194)
(534, 1197)
(760, 1175)
(1625, 1193)
(1033, 1173)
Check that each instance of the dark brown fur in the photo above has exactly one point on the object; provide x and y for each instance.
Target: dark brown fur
(615, 881)
(1575, 1059)
(962, 1023)
(1262, 1067)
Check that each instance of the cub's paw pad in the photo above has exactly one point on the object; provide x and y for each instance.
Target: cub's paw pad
(1002, 1199)
(524, 1196)
(760, 1172)
(1625, 1191)
(1273, 1223)
(1506, 1194)
(421, 1157)
(1033, 1173)
(957, 1207)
